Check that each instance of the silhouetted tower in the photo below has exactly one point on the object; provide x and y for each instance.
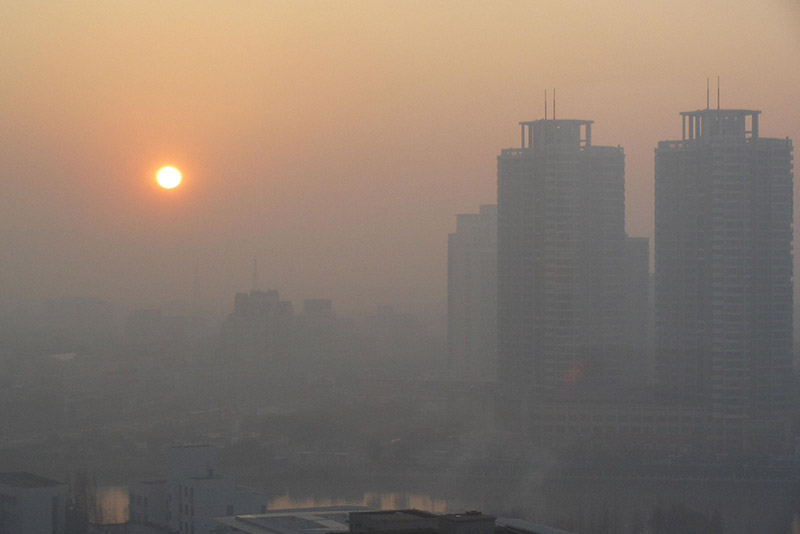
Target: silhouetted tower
(258, 330)
(561, 241)
(723, 257)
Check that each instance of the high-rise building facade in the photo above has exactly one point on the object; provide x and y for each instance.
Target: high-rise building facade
(637, 338)
(723, 260)
(561, 247)
(472, 296)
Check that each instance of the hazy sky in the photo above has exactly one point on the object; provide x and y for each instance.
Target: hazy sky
(334, 141)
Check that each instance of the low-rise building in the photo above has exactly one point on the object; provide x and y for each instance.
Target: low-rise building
(192, 495)
(30, 504)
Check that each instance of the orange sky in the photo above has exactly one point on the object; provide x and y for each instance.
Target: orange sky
(334, 141)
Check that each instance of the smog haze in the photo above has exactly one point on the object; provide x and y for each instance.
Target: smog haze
(331, 141)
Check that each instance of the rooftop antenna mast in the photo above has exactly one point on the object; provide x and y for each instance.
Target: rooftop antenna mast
(708, 104)
(545, 104)
(554, 103)
(717, 92)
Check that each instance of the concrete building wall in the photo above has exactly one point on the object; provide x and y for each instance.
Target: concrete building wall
(202, 500)
(31, 505)
(249, 502)
(192, 495)
(148, 503)
(183, 463)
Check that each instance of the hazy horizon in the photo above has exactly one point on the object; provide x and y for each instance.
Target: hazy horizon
(334, 142)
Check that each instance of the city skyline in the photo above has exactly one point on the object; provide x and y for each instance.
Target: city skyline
(332, 144)
(305, 242)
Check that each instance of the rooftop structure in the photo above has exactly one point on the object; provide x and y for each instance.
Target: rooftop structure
(359, 520)
(707, 124)
(293, 521)
(21, 479)
(390, 520)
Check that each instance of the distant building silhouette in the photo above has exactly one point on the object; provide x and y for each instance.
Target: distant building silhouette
(318, 337)
(723, 263)
(472, 296)
(257, 344)
(561, 249)
(259, 329)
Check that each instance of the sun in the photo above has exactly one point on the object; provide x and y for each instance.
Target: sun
(168, 177)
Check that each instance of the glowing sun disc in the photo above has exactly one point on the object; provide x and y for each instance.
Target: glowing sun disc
(168, 177)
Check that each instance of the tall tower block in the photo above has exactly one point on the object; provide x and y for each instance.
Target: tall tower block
(561, 241)
(723, 260)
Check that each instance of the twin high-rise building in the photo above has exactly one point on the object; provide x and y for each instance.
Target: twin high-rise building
(723, 258)
(572, 288)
